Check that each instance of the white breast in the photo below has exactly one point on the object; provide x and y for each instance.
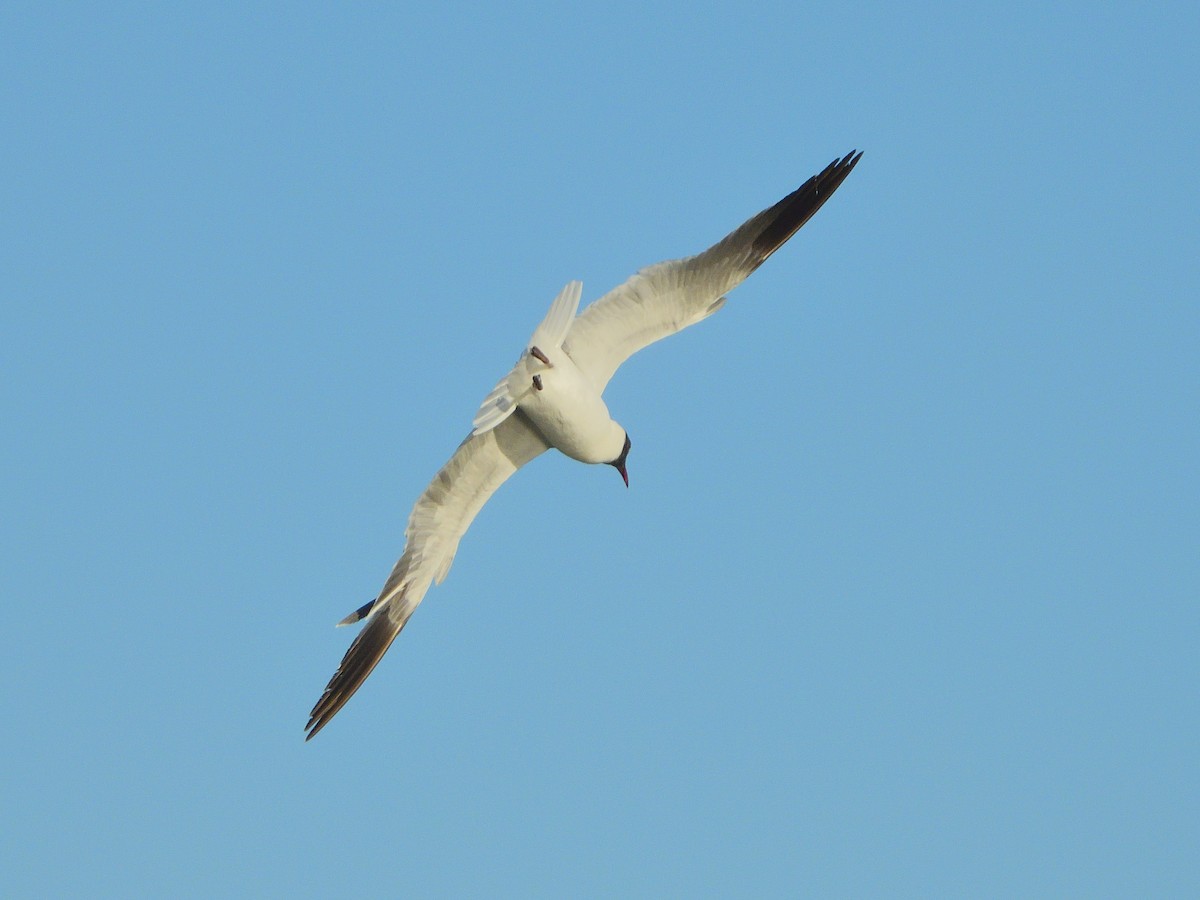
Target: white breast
(568, 411)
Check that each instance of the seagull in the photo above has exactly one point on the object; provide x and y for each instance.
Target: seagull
(554, 398)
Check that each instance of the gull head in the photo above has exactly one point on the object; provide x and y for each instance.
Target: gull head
(619, 462)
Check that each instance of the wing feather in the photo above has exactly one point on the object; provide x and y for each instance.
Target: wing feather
(437, 523)
(665, 298)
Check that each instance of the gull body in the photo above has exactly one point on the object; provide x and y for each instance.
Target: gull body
(563, 403)
(572, 416)
(553, 398)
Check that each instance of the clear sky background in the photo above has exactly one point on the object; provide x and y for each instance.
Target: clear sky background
(904, 597)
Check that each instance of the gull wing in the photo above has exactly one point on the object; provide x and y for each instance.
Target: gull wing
(665, 298)
(438, 521)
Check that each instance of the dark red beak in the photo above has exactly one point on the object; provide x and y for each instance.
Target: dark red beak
(619, 462)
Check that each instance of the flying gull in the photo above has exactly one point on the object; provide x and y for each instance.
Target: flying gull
(553, 398)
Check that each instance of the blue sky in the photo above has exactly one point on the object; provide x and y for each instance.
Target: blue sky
(902, 599)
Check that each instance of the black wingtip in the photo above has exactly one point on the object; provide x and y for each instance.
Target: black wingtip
(787, 216)
(362, 657)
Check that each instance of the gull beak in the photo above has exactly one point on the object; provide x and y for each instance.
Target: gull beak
(619, 462)
(620, 467)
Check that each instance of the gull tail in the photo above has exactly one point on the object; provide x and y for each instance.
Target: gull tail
(553, 329)
(362, 657)
(550, 334)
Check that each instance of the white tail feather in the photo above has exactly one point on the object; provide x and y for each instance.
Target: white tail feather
(502, 402)
(553, 330)
(496, 407)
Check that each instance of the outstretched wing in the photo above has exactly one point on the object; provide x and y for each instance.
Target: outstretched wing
(665, 298)
(438, 521)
